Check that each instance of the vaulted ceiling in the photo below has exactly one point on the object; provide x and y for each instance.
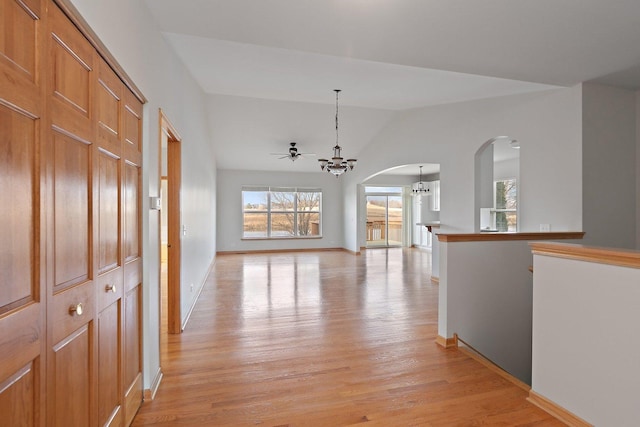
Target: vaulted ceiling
(386, 56)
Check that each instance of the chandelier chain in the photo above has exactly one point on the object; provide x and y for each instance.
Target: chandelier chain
(337, 92)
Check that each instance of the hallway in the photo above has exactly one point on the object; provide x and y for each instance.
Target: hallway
(325, 339)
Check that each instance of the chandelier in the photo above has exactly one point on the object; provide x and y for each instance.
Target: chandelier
(421, 189)
(337, 165)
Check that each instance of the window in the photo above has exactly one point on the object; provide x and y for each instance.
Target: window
(277, 212)
(506, 205)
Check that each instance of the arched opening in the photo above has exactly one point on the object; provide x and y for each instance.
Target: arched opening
(393, 214)
(497, 182)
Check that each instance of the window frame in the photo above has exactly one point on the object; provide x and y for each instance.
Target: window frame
(514, 210)
(269, 211)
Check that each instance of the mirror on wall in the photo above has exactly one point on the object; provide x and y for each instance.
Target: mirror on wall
(497, 176)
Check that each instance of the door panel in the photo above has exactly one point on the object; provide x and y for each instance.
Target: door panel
(18, 397)
(22, 337)
(109, 243)
(70, 78)
(132, 128)
(70, 157)
(70, 384)
(18, 134)
(132, 359)
(131, 212)
(384, 220)
(132, 356)
(108, 210)
(394, 220)
(72, 211)
(109, 385)
(18, 36)
(109, 110)
(376, 220)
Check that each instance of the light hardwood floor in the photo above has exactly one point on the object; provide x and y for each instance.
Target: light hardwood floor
(326, 339)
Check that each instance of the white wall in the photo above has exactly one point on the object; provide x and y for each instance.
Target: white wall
(586, 346)
(229, 217)
(609, 166)
(506, 169)
(638, 170)
(125, 27)
(488, 301)
(548, 125)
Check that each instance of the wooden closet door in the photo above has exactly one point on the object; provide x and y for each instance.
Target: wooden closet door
(132, 254)
(109, 276)
(22, 338)
(69, 158)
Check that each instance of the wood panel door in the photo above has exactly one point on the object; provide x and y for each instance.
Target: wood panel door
(22, 338)
(69, 156)
(132, 254)
(109, 278)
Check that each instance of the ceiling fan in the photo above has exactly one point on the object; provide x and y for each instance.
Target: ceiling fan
(293, 153)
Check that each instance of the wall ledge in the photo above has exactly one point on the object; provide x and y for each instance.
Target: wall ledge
(611, 256)
(505, 237)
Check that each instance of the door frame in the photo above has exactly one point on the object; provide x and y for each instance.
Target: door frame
(404, 225)
(170, 136)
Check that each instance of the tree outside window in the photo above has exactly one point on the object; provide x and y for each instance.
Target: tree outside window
(506, 205)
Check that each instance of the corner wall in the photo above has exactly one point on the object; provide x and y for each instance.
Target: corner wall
(609, 166)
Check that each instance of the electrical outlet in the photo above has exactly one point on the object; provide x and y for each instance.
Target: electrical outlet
(545, 227)
(192, 287)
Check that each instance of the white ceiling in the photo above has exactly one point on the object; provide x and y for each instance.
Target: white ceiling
(395, 54)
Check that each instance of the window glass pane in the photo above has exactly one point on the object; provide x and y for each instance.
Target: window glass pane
(282, 225)
(506, 194)
(308, 201)
(255, 224)
(506, 221)
(282, 200)
(371, 189)
(254, 200)
(506, 205)
(309, 224)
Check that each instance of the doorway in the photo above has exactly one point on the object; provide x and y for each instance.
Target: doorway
(170, 233)
(385, 223)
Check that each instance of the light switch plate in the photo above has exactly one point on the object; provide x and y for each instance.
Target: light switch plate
(155, 203)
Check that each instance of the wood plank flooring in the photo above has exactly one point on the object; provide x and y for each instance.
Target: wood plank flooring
(326, 339)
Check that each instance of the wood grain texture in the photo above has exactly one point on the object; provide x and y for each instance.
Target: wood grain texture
(109, 384)
(73, 14)
(325, 339)
(497, 237)
(22, 311)
(611, 256)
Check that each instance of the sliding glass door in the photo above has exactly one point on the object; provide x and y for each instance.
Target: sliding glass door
(384, 216)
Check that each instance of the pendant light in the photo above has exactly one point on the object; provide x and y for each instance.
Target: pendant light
(421, 190)
(337, 165)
